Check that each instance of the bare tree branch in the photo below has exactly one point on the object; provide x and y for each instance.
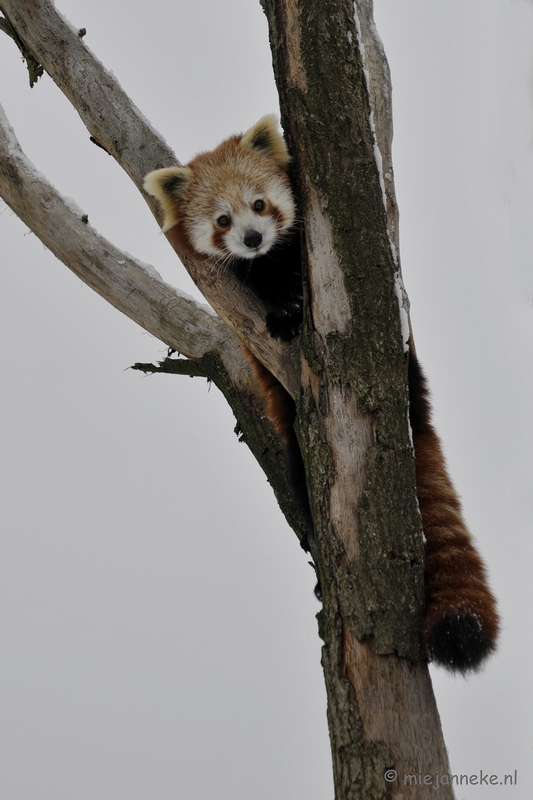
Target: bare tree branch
(135, 289)
(119, 127)
(105, 109)
(35, 70)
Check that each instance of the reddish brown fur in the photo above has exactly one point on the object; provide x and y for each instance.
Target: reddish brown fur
(279, 405)
(456, 580)
(179, 239)
(212, 184)
(280, 410)
(455, 574)
(217, 238)
(274, 212)
(222, 171)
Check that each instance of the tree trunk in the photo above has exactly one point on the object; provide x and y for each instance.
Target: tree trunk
(347, 373)
(353, 420)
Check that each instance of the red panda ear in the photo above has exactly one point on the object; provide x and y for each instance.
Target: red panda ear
(168, 185)
(265, 137)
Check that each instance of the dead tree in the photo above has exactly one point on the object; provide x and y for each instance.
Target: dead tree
(346, 371)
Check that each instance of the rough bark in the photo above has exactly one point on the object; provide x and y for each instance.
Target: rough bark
(353, 404)
(347, 373)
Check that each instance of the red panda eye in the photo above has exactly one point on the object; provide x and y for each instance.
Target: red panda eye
(259, 205)
(223, 221)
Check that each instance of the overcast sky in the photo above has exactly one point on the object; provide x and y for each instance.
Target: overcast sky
(157, 614)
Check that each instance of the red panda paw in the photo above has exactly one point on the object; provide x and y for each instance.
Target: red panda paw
(283, 326)
(459, 641)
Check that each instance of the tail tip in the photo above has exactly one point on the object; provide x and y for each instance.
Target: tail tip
(459, 642)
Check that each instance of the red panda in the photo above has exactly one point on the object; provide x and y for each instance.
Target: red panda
(235, 205)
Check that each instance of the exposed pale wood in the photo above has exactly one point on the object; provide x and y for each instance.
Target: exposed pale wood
(381, 684)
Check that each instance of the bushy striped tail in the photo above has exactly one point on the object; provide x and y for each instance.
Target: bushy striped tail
(460, 628)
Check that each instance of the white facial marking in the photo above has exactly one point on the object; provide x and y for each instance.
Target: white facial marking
(248, 220)
(201, 234)
(210, 238)
(280, 196)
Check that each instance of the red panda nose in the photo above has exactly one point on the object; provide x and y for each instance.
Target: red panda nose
(252, 239)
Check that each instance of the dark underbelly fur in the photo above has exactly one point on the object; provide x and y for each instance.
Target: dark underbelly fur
(276, 279)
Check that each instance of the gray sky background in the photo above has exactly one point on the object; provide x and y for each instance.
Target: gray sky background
(157, 614)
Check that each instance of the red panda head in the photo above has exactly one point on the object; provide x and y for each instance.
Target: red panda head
(234, 201)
